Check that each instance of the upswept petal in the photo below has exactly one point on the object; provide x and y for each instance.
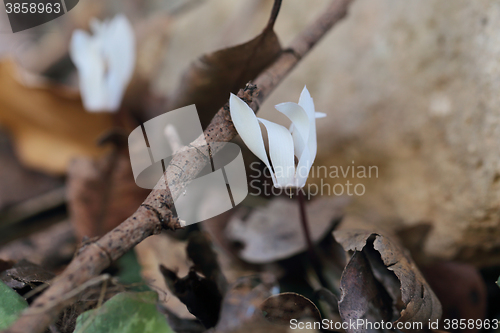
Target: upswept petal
(300, 125)
(300, 133)
(303, 168)
(281, 153)
(320, 115)
(246, 124)
(307, 103)
(85, 53)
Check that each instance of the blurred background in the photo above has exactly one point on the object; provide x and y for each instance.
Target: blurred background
(411, 87)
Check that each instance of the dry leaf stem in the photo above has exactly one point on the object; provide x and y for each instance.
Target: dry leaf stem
(154, 214)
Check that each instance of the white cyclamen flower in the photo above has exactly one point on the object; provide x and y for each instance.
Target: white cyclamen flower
(105, 62)
(284, 144)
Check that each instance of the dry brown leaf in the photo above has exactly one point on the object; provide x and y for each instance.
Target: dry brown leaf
(102, 193)
(48, 122)
(25, 276)
(420, 304)
(274, 232)
(363, 297)
(209, 80)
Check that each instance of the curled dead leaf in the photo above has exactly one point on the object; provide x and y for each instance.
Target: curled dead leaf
(47, 121)
(419, 303)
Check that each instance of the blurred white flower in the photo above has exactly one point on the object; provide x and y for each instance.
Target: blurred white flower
(284, 144)
(105, 62)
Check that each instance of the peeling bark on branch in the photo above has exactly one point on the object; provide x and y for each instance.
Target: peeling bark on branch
(154, 214)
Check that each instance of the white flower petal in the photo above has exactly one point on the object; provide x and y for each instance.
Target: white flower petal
(320, 115)
(300, 125)
(105, 62)
(86, 56)
(303, 168)
(281, 153)
(248, 128)
(307, 103)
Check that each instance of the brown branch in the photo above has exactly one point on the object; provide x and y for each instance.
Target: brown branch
(154, 214)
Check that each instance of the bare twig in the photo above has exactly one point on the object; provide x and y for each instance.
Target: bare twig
(154, 214)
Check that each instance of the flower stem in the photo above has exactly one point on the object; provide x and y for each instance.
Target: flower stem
(304, 223)
(307, 234)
